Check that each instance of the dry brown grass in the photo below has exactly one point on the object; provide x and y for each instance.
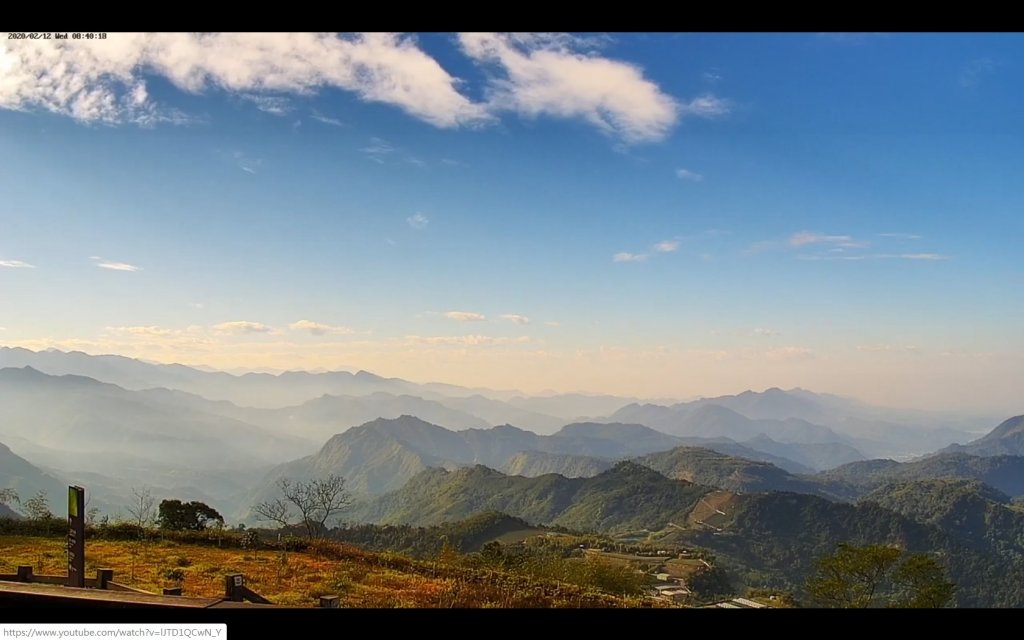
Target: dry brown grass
(361, 578)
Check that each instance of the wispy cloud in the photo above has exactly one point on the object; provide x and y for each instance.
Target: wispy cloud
(706, 106)
(383, 152)
(974, 72)
(516, 318)
(319, 117)
(318, 328)
(465, 341)
(247, 164)
(877, 256)
(378, 149)
(16, 264)
(103, 263)
(144, 331)
(666, 246)
(847, 248)
(465, 316)
(196, 305)
(764, 333)
(553, 323)
(418, 221)
(625, 256)
(803, 238)
(104, 82)
(562, 76)
(686, 174)
(274, 105)
(240, 327)
(712, 76)
(161, 338)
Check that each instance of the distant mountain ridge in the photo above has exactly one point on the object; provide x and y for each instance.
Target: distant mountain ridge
(26, 479)
(1005, 473)
(1005, 439)
(737, 475)
(383, 454)
(625, 497)
(293, 388)
(801, 417)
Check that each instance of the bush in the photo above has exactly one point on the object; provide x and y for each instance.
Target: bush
(43, 527)
(174, 575)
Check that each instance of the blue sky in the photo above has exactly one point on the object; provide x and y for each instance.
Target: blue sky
(641, 214)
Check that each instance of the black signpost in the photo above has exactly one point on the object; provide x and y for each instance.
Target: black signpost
(76, 537)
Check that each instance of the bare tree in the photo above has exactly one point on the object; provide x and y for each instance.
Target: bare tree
(9, 497)
(143, 515)
(316, 501)
(275, 510)
(142, 508)
(38, 506)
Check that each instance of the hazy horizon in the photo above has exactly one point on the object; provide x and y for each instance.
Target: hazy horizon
(664, 215)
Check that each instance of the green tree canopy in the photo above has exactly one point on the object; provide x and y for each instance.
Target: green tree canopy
(879, 576)
(176, 515)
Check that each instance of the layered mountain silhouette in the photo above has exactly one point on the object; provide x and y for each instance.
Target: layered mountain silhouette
(1006, 439)
(382, 455)
(1005, 473)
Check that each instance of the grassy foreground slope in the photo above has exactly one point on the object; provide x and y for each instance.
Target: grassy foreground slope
(361, 578)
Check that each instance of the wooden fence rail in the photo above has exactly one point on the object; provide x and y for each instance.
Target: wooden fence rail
(236, 593)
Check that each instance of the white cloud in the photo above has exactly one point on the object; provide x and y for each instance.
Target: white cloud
(143, 331)
(16, 264)
(274, 105)
(625, 256)
(764, 333)
(319, 329)
(706, 106)
(516, 318)
(196, 305)
(247, 164)
(103, 80)
(665, 246)
(418, 221)
(556, 75)
(381, 151)
(553, 323)
(878, 256)
(238, 327)
(711, 76)
(803, 238)
(113, 266)
(377, 149)
(686, 174)
(319, 117)
(465, 316)
(160, 338)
